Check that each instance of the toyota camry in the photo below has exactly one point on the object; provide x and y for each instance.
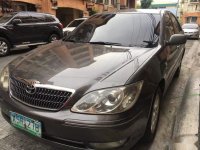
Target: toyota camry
(101, 86)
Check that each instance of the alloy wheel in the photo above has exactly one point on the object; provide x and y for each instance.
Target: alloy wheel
(53, 37)
(3, 47)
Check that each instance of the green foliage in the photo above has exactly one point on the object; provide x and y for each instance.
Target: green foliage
(146, 3)
(92, 12)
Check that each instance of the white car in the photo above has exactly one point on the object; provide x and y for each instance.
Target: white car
(72, 25)
(191, 30)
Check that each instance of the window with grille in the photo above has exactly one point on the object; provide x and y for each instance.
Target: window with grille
(114, 2)
(99, 1)
(194, 0)
(106, 2)
(191, 19)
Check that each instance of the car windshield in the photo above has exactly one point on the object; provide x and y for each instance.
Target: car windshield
(190, 26)
(75, 23)
(125, 29)
(5, 18)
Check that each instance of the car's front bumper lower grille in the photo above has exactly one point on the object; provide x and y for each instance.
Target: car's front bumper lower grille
(43, 97)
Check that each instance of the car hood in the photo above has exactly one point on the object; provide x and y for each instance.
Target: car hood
(76, 66)
(190, 30)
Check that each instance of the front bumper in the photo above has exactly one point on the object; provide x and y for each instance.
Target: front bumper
(78, 131)
(192, 35)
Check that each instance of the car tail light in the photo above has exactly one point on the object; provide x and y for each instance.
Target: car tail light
(61, 25)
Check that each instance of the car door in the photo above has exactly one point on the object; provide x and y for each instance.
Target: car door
(22, 32)
(40, 26)
(173, 52)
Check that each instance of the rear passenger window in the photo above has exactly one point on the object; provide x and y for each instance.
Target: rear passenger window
(49, 19)
(38, 18)
(176, 25)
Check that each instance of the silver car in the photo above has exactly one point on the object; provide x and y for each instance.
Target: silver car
(72, 25)
(191, 30)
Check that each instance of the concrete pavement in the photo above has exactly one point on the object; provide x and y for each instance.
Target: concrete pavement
(186, 128)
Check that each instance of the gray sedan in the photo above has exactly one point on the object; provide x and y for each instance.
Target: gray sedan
(191, 30)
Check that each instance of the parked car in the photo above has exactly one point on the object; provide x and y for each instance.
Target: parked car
(99, 88)
(72, 25)
(191, 30)
(21, 29)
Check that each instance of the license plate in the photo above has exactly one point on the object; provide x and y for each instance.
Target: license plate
(25, 123)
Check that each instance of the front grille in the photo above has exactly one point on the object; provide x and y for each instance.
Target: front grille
(43, 97)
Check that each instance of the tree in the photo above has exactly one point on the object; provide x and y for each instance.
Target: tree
(146, 3)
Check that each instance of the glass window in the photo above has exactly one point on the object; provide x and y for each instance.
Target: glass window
(123, 29)
(106, 2)
(169, 29)
(25, 18)
(75, 23)
(114, 2)
(37, 18)
(194, 0)
(49, 18)
(5, 18)
(177, 27)
(191, 19)
(99, 1)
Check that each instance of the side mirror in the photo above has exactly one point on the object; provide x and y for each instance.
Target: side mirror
(16, 21)
(177, 39)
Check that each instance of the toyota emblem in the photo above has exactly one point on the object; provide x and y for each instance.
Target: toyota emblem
(30, 88)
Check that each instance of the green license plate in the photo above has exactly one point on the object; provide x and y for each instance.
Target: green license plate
(25, 123)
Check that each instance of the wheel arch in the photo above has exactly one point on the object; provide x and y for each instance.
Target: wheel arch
(3, 35)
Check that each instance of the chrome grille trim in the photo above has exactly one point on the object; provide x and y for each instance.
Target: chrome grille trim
(48, 97)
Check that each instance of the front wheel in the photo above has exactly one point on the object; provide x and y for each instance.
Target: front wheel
(4, 47)
(53, 37)
(153, 119)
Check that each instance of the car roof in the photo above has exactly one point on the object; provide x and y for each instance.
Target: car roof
(152, 11)
(33, 12)
(139, 11)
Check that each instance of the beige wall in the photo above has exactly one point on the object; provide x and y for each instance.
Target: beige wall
(189, 10)
(46, 6)
(191, 14)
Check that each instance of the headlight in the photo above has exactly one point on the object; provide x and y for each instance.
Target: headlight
(109, 101)
(4, 78)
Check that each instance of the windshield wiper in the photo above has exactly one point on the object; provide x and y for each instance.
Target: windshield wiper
(106, 43)
(151, 43)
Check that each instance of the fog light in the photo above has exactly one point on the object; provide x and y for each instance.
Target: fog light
(108, 145)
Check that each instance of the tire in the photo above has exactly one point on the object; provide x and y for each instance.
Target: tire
(53, 37)
(153, 118)
(4, 47)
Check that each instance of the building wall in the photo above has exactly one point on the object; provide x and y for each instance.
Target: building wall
(46, 5)
(191, 14)
(127, 4)
(189, 10)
